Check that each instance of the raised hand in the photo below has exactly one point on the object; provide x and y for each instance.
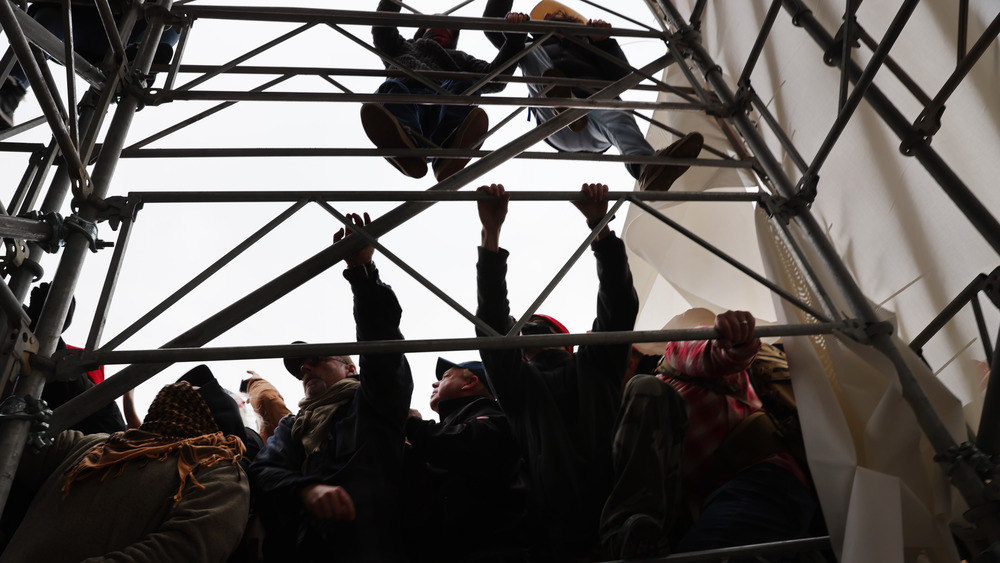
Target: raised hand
(492, 213)
(735, 328)
(362, 256)
(599, 24)
(595, 206)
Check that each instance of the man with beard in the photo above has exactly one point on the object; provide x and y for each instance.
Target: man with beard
(327, 484)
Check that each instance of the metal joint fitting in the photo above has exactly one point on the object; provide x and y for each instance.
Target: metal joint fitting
(742, 102)
(777, 207)
(879, 328)
(74, 223)
(982, 464)
(65, 364)
(786, 209)
(856, 330)
(116, 209)
(55, 222)
(29, 408)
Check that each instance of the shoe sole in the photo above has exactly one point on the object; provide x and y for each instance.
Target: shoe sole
(660, 178)
(386, 132)
(469, 135)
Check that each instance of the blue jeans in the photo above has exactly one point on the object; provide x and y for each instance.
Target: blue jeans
(763, 503)
(433, 122)
(605, 128)
(89, 37)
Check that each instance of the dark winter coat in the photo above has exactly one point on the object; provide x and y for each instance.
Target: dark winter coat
(466, 473)
(561, 406)
(363, 454)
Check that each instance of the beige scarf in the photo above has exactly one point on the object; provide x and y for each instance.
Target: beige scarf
(311, 427)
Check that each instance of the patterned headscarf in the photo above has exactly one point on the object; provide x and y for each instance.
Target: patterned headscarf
(178, 411)
(178, 423)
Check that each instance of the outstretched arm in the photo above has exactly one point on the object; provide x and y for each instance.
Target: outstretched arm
(502, 366)
(385, 377)
(610, 70)
(492, 213)
(508, 49)
(497, 9)
(387, 39)
(617, 302)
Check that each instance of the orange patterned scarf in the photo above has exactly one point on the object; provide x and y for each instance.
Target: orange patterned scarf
(178, 423)
(122, 448)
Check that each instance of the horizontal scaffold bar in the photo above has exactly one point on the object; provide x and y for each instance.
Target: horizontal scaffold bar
(430, 99)
(372, 18)
(206, 196)
(172, 355)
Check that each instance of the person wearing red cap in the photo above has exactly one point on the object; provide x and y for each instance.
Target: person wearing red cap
(466, 468)
(328, 482)
(561, 405)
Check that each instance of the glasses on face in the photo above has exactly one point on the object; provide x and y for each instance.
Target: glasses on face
(320, 359)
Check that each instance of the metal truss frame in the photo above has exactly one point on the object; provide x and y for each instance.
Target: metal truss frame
(75, 146)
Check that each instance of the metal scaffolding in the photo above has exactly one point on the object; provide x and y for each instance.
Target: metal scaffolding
(82, 164)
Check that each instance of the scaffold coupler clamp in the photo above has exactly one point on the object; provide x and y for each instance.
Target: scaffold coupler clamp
(924, 127)
(680, 44)
(742, 101)
(785, 209)
(29, 408)
(75, 224)
(117, 209)
(65, 365)
(55, 222)
(984, 465)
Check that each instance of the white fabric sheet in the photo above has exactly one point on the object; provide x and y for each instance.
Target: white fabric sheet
(906, 244)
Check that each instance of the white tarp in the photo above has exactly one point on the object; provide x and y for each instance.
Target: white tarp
(907, 245)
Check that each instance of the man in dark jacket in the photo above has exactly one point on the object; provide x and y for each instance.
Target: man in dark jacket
(406, 126)
(561, 405)
(560, 57)
(327, 484)
(466, 469)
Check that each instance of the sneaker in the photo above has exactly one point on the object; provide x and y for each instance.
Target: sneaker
(659, 177)
(386, 132)
(639, 536)
(564, 91)
(468, 135)
(11, 95)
